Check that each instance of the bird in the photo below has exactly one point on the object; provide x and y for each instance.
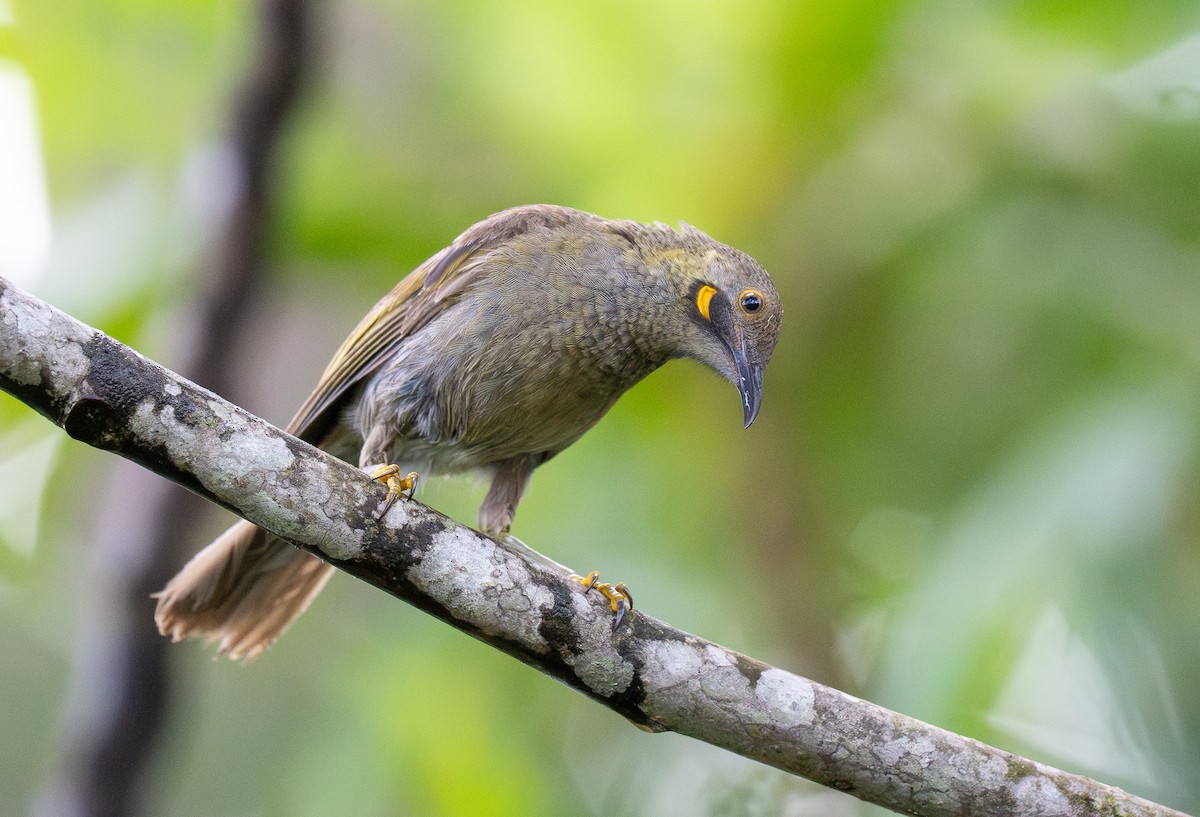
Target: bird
(491, 357)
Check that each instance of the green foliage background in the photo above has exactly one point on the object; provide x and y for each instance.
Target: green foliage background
(972, 492)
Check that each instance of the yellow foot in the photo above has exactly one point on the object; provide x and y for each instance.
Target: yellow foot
(618, 595)
(397, 485)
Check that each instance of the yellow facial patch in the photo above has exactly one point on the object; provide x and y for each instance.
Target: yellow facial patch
(704, 298)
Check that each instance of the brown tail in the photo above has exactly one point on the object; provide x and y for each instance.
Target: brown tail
(245, 590)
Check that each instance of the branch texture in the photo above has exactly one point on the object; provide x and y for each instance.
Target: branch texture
(660, 678)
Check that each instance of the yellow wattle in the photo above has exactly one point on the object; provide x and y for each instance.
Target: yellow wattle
(703, 298)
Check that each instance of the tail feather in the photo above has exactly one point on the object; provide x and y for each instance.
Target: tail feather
(244, 590)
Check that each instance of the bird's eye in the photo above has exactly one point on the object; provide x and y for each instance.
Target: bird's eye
(752, 300)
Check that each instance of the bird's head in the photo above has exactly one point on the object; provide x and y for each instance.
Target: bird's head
(733, 313)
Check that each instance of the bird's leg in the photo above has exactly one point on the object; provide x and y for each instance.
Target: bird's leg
(397, 485)
(618, 595)
(496, 515)
(508, 484)
(376, 448)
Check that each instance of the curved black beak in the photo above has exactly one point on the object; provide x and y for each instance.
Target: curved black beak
(749, 381)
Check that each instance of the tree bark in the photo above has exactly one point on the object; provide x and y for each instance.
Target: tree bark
(660, 678)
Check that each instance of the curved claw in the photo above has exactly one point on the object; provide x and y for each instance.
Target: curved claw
(618, 595)
(397, 485)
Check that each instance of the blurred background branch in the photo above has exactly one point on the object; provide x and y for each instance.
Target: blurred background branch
(121, 686)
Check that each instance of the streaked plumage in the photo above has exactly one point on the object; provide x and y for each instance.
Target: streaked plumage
(495, 354)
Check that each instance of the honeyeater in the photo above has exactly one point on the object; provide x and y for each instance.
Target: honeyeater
(492, 356)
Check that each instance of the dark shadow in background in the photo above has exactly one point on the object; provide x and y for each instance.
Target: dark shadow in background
(121, 690)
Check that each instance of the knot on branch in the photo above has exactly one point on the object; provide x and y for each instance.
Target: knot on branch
(90, 417)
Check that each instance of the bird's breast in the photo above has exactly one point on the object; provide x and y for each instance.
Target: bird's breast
(475, 388)
(527, 360)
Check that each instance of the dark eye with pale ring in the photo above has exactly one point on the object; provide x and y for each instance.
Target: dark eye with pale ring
(752, 300)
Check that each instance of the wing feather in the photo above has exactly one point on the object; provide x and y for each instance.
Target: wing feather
(404, 310)
(420, 297)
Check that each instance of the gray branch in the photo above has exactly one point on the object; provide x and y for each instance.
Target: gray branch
(660, 678)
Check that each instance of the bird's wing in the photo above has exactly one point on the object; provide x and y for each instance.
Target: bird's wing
(417, 299)
(420, 297)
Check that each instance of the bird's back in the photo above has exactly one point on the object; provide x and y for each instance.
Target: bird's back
(554, 326)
